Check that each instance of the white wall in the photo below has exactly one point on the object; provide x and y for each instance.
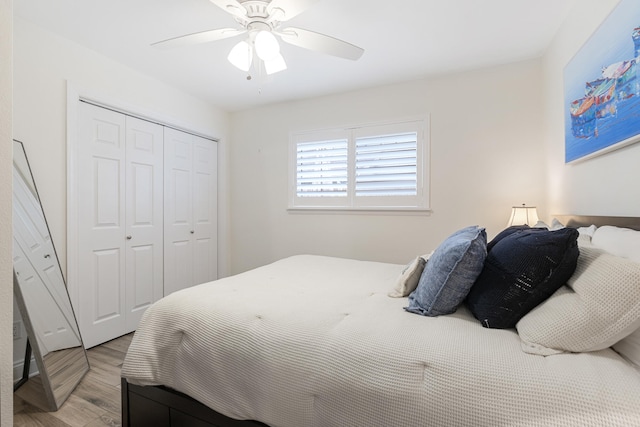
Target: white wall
(6, 148)
(486, 155)
(44, 64)
(604, 185)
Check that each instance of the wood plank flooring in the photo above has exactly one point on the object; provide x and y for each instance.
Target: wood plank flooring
(96, 400)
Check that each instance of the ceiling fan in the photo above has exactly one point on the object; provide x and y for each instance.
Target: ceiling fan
(261, 21)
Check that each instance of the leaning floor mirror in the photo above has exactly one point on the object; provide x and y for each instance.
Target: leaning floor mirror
(42, 298)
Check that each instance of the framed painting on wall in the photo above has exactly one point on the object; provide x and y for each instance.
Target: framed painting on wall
(602, 87)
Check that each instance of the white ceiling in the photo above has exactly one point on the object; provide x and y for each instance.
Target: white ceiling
(403, 40)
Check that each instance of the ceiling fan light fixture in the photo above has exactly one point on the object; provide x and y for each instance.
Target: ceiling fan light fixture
(241, 56)
(274, 65)
(267, 46)
(261, 21)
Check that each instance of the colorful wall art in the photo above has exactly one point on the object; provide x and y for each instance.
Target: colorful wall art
(602, 87)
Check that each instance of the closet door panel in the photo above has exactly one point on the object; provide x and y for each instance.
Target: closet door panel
(108, 271)
(101, 224)
(141, 272)
(178, 211)
(204, 269)
(205, 210)
(107, 176)
(144, 218)
(180, 265)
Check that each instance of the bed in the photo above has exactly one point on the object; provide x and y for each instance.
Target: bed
(317, 341)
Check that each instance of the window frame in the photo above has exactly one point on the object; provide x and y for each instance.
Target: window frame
(417, 203)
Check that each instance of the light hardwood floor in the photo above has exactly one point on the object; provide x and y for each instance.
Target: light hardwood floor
(96, 400)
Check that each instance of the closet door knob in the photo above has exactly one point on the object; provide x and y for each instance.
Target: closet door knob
(192, 232)
(128, 237)
(47, 256)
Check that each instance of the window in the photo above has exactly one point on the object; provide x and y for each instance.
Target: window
(376, 167)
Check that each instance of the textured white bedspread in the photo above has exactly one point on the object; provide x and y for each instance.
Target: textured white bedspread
(316, 341)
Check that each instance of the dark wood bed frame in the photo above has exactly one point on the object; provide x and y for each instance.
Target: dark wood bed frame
(160, 406)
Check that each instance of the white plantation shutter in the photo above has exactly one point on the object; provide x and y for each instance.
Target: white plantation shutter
(387, 165)
(321, 168)
(378, 167)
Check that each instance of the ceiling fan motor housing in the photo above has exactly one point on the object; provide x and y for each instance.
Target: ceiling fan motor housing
(258, 16)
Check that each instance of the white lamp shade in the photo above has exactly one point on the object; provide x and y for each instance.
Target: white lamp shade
(523, 215)
(241, 56)
(274, 65)
(267, 47)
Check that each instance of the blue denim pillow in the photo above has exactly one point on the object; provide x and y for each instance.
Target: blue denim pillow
(450, 273)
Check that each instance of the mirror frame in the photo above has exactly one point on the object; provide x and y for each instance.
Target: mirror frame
(53, 384)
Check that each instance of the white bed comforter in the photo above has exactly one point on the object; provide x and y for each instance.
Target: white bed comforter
(316, 341)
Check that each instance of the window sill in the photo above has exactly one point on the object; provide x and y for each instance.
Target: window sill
(359, 210)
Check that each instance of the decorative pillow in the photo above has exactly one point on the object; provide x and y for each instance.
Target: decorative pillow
(450, 273)
(587, 231)
(599, 307)
(584, 231)
(409, 277)
(520, 272)
(630, 348)
(619, 241)
(556, 225)
(583, 240)
(509, 231)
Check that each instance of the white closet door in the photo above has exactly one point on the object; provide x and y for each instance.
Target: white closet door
(205, 211)
(147, 218)
(178, 210)
(144, 222)
(190, 210)
(101, 225)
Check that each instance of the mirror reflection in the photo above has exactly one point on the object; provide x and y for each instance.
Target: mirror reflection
(42, 297)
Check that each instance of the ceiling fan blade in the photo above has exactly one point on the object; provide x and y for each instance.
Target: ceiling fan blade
(196, 38)
(321, 43)
(231, 6)
(289, 8)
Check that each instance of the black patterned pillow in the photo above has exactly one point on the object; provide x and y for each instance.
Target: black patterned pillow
(509, 231)
(522, 270)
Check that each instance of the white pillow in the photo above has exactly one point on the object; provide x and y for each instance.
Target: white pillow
(623, 242)
(599, 307)
(584, 231)
(408, 280)
(587, 231)
(630, 348)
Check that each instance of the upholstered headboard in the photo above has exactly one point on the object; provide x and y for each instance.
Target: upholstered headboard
(586, 220)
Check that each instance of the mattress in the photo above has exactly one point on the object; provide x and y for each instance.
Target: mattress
(316, 341)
